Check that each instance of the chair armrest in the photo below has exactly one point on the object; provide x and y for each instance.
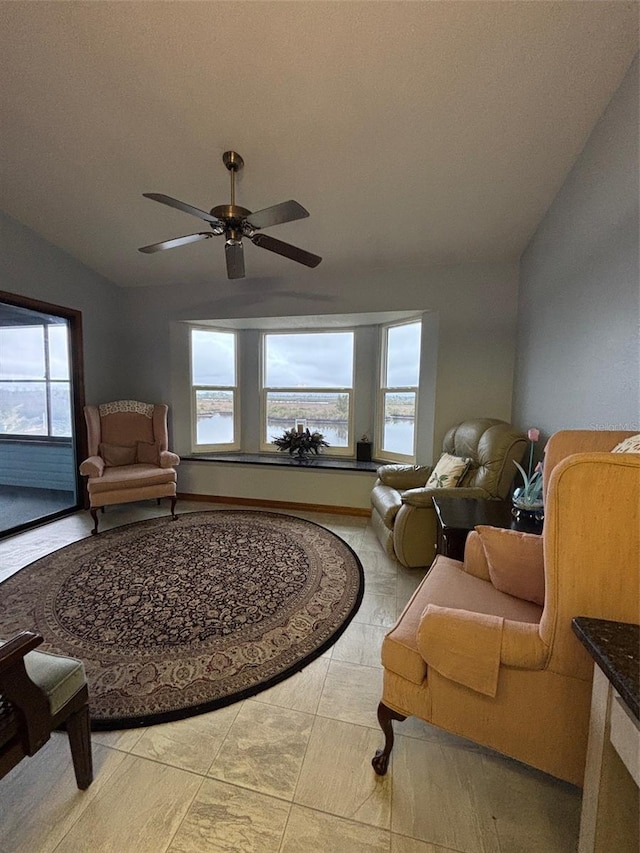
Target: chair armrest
(469, 647)
(169, 459)
(462, 646)
(522, 645)
(92, 467)
(17, 647)
(404, 476)
(422, 497)
(30, 702)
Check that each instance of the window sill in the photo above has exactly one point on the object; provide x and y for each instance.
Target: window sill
(285, 460)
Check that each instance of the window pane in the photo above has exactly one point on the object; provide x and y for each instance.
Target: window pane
(325, 413)
(60, 409)
(22, 352)
(214, 412)
(399, 423)
(58, 352)
(23, 409)
(403, 355)
(213, 359)
(309, 360)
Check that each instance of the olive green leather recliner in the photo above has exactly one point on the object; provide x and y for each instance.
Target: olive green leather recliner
(402, 512)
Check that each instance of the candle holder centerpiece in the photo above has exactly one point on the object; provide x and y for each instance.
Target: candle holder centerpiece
(300, 441)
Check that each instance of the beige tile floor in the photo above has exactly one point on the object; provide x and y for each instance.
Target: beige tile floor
(287, 771)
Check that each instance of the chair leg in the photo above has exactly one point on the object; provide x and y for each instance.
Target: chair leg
(79, 732)
(173, 507)
(380, 760)
(94, 516)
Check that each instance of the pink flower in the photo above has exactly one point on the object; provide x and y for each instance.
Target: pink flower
(533, 434)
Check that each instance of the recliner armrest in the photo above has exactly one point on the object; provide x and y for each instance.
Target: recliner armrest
(404, 476)
(422, 497)
(92, 467)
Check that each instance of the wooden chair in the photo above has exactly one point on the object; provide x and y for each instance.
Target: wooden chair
(40, 692)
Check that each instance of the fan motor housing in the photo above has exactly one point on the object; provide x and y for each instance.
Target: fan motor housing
(230, 212)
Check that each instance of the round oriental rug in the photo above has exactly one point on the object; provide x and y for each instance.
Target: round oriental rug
(174, 618)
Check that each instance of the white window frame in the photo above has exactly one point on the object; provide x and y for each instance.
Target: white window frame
(266, 445)
(384, 389)
(234, 389)
(48, 383)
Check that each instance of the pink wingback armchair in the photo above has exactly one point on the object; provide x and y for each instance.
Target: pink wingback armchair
(129, 458)
(484, 653)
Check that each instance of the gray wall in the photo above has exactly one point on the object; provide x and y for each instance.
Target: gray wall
(475, 306)
(127, 332)
(578, 352)
(30, 266)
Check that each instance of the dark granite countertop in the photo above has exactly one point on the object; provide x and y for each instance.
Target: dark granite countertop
(615, 647)
(284, 459)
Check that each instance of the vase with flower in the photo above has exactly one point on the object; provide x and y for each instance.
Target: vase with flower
(527, 499)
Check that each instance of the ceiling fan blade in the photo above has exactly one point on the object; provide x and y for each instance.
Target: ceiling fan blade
(182, 205)
(234, 254)
(287, 211)
(177, 241)
(286, 250)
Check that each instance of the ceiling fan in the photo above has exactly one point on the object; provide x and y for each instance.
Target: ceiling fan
(237, 222)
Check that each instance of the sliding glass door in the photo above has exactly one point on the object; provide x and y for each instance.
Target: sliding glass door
(40, 404)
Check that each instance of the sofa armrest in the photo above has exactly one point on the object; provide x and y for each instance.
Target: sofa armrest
(169, 459)
(422, 497)
(92, 467)
(404, 476)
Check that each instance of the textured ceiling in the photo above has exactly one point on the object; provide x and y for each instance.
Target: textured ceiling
(415, 133)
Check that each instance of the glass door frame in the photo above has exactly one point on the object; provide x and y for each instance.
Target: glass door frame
(76, 372)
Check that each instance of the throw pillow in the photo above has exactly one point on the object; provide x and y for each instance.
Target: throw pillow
(114, 455)
(629, 445)
(516, 562)
(147, 453)
(448, 472)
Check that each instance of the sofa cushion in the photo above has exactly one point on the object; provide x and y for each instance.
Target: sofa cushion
(115, 455)
(516, 562)
(59, 677)
(131, 476)
(446, 585)
(448, 472)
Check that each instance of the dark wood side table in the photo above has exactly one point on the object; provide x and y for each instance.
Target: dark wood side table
(456, 518)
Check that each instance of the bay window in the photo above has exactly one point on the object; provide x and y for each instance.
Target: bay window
(398, 392)
(307, 378)
(214, 390)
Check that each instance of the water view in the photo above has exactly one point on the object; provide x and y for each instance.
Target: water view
(218, 429)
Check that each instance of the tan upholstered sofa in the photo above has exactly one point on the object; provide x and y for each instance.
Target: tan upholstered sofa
(128, 455)
(485, 648)
(402, 513)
